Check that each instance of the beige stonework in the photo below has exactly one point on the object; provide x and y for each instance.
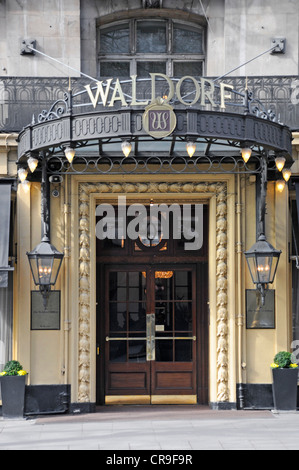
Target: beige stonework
(198, 190)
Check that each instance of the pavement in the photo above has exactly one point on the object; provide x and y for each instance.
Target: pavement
(177, 429)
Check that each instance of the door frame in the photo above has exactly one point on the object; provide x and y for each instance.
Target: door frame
(216, 191)
(201, 327)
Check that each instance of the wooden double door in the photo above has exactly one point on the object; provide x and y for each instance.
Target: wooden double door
(151, 343)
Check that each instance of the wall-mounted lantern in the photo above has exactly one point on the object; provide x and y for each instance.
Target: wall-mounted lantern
(262, 260)
(45, 260)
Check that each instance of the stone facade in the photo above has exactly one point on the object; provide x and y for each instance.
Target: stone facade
(237, 31)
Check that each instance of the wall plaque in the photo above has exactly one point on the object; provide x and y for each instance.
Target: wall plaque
(258, 315)
(45, 318)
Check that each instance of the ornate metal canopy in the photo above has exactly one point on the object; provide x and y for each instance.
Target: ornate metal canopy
(97, 133)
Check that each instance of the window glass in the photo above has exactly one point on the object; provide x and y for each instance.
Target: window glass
(187, 40)
(151, 37)
(115, 69)
(193, 69)
(150, 46)
(115, 40)
(145, 68)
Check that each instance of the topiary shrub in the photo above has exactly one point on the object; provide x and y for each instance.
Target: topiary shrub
(283, 359)
(12, 368)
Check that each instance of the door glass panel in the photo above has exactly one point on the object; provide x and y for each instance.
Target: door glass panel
(164, 350)
(183, 350)
(173, 309)
(127, 316)
(137, 349)
(118, 349)
(183, 285)
(137, 317)
(163, 289)
(118, 316)
(172, 297)
(183, 316)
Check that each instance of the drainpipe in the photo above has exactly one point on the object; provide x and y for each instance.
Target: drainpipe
(240, 317)
(66, 281)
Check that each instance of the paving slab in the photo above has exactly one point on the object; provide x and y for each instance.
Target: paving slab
(155, 429)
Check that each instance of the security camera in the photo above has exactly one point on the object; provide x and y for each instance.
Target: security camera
(56, 179)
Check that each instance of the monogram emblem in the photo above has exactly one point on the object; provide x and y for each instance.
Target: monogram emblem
(159, 119)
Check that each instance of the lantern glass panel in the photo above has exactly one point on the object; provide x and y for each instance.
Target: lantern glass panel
(45, 268)
(263, 266)
(275, 261)
(55, 270)
(252, 268)
(34, 270)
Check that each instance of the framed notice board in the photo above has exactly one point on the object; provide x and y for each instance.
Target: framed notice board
(257, 315)
(45, 318)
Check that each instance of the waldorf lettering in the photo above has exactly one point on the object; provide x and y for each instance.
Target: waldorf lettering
(108, 92)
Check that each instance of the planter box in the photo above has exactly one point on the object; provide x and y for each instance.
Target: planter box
(13, 396)
(284, 388)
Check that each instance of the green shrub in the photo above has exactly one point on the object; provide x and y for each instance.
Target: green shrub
(12, 368)
(283, 359)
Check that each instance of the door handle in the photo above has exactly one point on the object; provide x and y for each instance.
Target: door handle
(150, 337)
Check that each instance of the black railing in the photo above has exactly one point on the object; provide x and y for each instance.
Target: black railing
(22, 99)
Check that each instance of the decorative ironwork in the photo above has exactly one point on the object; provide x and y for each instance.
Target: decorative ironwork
(117, 125)
(257, 108)
(57, 110)
(152, 165)
(23, 97)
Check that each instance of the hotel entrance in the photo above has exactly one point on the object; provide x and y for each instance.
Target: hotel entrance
(152, 308)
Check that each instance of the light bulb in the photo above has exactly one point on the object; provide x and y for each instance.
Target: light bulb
(70, 154)
(32, 163)
(191, 147)
(26, 186)
(286, 173)
(246, 154)
(279, 162)
(126, 148)
(22, 174)
(280, 185)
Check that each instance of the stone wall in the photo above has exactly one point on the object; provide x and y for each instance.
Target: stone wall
(237, 31)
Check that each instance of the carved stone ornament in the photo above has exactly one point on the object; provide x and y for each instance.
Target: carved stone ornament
(220, 191)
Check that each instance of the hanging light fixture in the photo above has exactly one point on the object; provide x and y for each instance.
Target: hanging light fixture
(246, 153)
(22, 174)
(280, 185)
(191, 148)
(32, 163)
(70, 153)
(280, 162)
(26, 186)
(126, 148)
(286, 173)
(45, 260)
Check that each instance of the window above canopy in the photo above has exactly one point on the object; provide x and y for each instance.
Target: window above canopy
(143, 46)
